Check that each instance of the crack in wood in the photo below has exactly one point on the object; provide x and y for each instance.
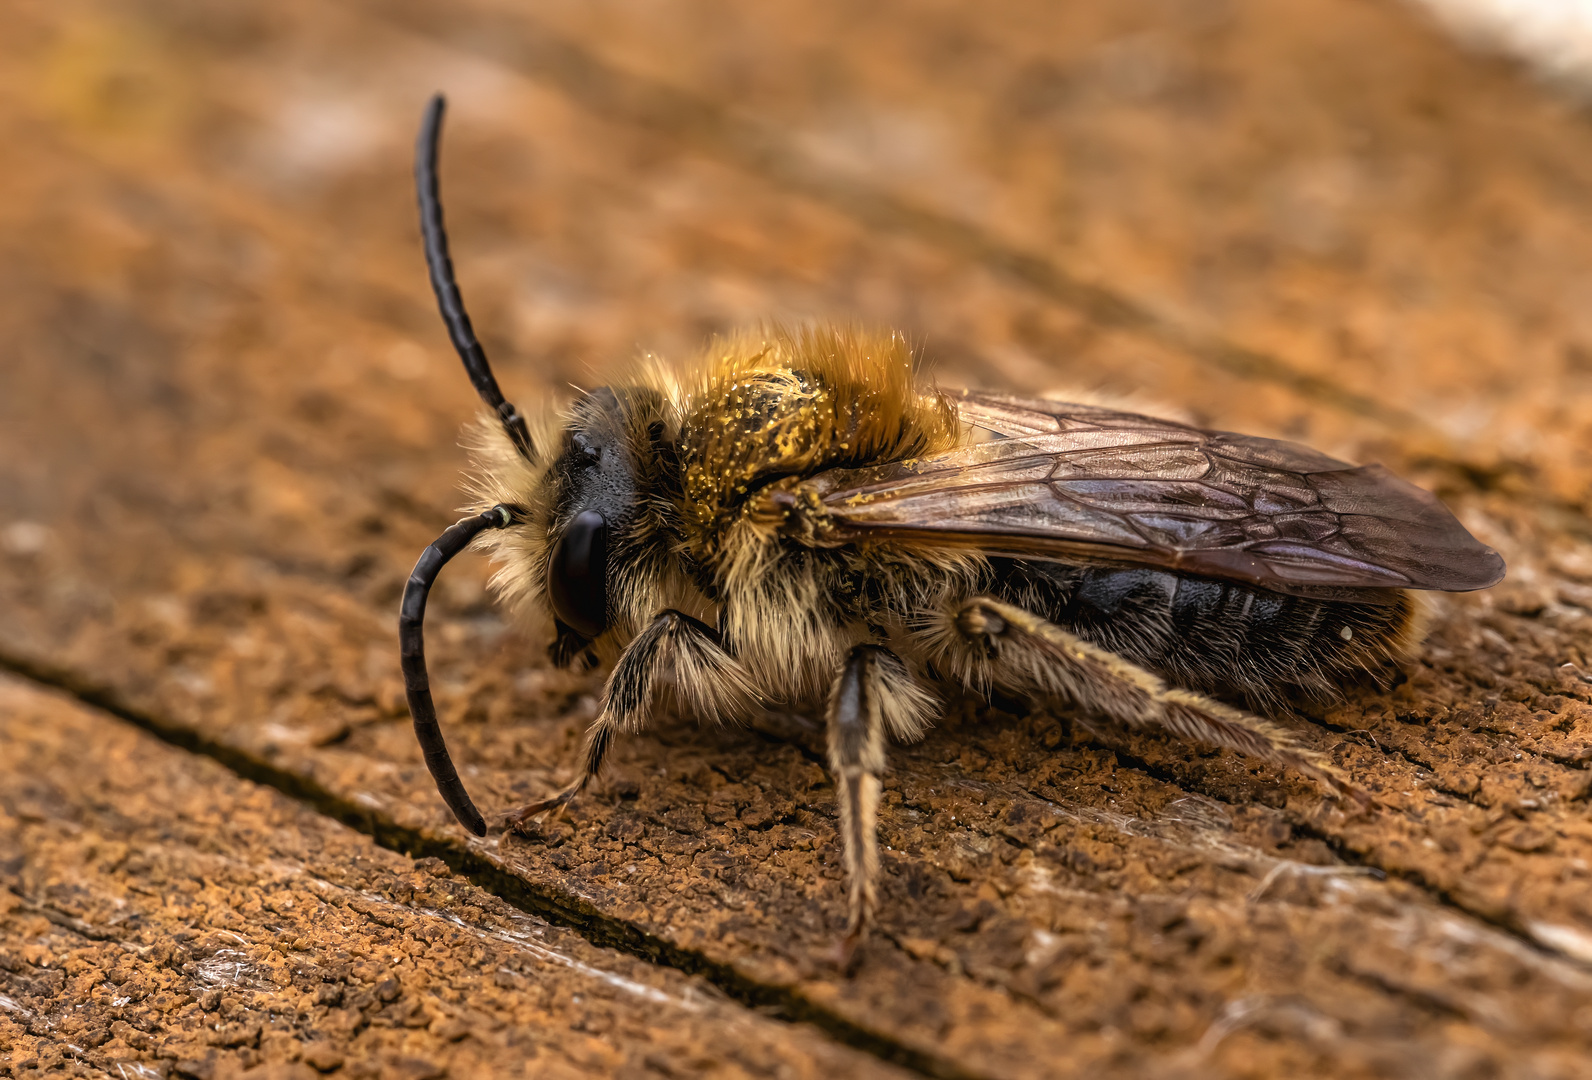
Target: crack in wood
(1517, 931)
(563, 909)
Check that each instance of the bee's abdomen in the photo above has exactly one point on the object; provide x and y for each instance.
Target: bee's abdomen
(1212, 635)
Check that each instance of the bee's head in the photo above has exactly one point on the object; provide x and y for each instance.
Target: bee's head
(592, 545)
(593, 500)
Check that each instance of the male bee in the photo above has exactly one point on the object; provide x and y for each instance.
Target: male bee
(794, 519)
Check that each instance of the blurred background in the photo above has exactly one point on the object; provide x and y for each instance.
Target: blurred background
(1316, 219)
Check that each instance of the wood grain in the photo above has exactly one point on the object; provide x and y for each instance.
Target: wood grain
(163, 915)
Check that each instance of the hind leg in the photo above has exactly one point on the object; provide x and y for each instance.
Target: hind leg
(990, 643)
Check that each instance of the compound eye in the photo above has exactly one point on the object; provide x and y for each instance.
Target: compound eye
(577, 577)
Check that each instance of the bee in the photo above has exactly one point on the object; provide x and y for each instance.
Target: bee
(794, 518)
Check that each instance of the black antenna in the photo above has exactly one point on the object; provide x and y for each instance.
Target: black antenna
(412, 651)
(446, 288)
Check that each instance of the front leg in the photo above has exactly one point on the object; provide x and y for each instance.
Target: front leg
(874, 691)
(709, 680)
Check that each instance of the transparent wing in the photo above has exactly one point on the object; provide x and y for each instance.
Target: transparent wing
(1080, 482)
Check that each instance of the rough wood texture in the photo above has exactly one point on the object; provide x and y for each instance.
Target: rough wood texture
(228, 420)
(163, 915)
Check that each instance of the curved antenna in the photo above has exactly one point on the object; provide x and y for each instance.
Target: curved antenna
(443, 284)
(412, 651)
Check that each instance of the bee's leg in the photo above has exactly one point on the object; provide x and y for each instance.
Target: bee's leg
(993, 643)
(709, 680)
(873, 692)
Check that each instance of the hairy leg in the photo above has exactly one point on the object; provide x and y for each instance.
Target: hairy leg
(873, 692)
(989, 643)
(709, 681)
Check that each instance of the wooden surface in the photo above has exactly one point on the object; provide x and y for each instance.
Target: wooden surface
(228, 424)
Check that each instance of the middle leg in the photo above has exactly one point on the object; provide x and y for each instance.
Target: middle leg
(874, 691)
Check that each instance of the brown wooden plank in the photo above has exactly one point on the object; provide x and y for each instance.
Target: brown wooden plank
(161, 917)
(227, 402)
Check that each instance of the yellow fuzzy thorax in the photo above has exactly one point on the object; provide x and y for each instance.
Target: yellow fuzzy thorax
(784, 403)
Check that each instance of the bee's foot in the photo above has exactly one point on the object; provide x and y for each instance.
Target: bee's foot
(520, 821)
(1338, 786)
(1363, 802)
(844, 954)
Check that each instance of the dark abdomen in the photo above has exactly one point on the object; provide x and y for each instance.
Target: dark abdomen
(1211, 635)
